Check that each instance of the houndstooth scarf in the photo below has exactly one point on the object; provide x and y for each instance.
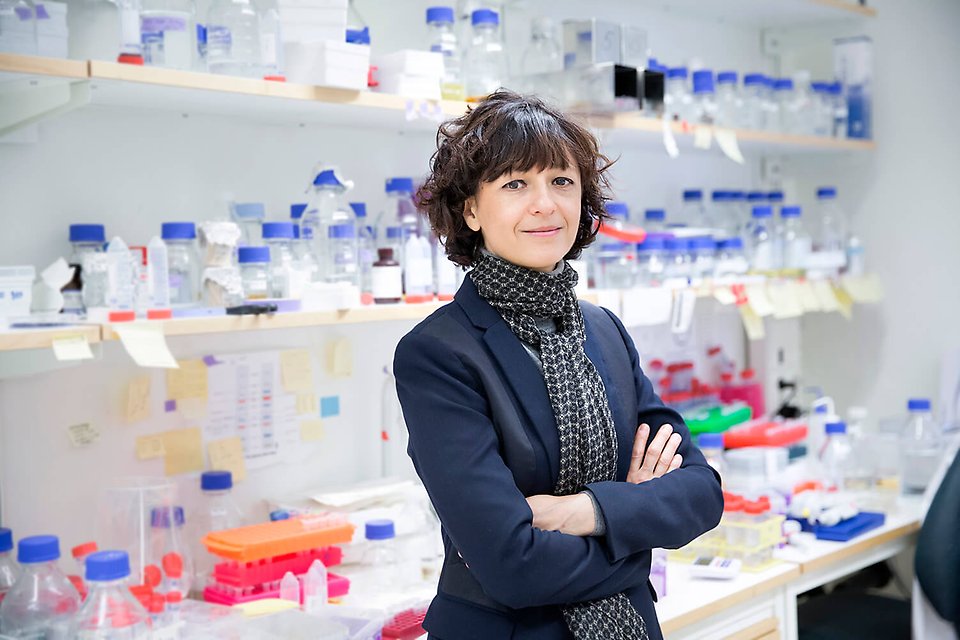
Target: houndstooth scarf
(588, 439)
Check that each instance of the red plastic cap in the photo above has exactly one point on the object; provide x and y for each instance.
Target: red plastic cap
(754, 508)
(712, 351)
(747, 374)
(174, 597)
(84, 549)
(726, 377)
(152, 576)
(122, 316)
(173, 564)
(735, 503)
(275, 78)
(157, 604)
(130, 58)
(656, 363)
(159, 314)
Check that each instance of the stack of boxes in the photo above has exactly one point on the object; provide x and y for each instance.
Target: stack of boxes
(315, 48)
(410, 73)
(52, 33)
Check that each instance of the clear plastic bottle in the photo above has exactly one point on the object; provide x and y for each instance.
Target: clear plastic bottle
(754, 114)
(85, 239)
(183, 261)
(921, 445)
(381, 554)
(830, 225)
(18, 27)
(233, 39)
(791, 116)
(255, 272)
(366, 247)
(485, 63)
(110, 611)
(286, 277)
(543, 53)
(763, 246)
(342, 254)
(654, 220)
(840, 109)
(167, 29)
(711, 446)
(730, 106)
(327, 207)
(399, 211)
(704, 107)
(679, 260)
(731, 259)
(723, 216)
(793, 239)
(217, 511)
(443, 39)
(42, 602)
(158, 273)
(856, 264)
(131, 48)
(618, 211)
(121, 276)
(8, 568)
(615, 265)
(271, 40)
(692, 213)
(703, 251)
(836, 456)
(677, 100)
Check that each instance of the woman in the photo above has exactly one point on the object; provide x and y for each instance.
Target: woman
(552, 464)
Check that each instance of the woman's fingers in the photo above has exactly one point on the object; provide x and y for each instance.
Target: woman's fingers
(666, 456)
(639, 448)
(675, 463)
(657, 459)
(652, 456)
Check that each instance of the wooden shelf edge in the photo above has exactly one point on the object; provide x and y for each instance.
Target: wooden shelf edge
(38, 65)
(849, 7)
(23, 339)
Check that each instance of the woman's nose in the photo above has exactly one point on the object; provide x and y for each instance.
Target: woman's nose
(541, 200)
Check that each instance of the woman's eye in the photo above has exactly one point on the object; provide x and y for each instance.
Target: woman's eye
(563, 182)
(513, 185)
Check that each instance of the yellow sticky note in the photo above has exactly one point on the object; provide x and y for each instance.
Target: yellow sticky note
(146, 344)
(72, 348)
(807, 296)
(83, 434)
(702, 137)
(192, 408)
(825, 295)
(727, 141)
(758, 300)
(311, 430)
(189, 381)
(183, 451)
(137, 406)
(296, 371)
(307, 404)
(752, 323)
(227, 455)
(864, 289)
(844, 302)
(784, 298)
(340, 358)
(150, 447)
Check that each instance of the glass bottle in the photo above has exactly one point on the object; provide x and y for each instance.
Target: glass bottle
(485, 64)
(443, 39)
(255, 272)
(183, 261)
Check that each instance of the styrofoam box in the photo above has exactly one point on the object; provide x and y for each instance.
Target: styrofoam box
(311, 33)
(411, 62)
(330, 63)
(16, 290)
(409, 86)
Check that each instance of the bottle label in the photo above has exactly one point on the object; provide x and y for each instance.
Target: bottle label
(72, 301)
(156, 25)
(418, 274)
(219, 36)
(386, 282)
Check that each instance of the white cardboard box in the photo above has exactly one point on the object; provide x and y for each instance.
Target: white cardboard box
(329, 63)
(411, 62)
(409, 86)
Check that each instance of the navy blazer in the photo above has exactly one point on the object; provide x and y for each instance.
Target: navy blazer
(483, 437)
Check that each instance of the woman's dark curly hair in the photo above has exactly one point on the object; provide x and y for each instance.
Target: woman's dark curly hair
(504, 133)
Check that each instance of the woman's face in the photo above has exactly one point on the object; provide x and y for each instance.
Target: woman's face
(528, 218)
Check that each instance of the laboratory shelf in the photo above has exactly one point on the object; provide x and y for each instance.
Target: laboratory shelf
(766, 13)
(15, 66)
(43, 338)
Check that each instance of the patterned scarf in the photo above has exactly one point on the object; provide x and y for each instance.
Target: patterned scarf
(588, 439)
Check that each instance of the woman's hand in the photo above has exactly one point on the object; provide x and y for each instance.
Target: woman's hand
(660, 458)
(572, 514)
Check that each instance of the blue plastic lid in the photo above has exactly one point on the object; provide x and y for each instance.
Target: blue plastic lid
(327, 178)
(6, 539)
(692, 194)
(178, 231)
(359, 209)
(104, 566)
(440, 14)
(790, 212)
(835, 89)
(756, 196)
(38, 549)
(918, 404)
(775, 196)
(710, 441)
(826, 193)
(703, 242)
(820, 408)
(160, 517)
(252, 255)
(676, 244)
(753, 79)
(222, 480)
(727, 77)
(484, 16)
(249, 211)
(836, 427)
(783, 84)
(737, 195)
(617, 209)
(762, 211)
(654, 242)
(380, 529)
(720, 196)
(654, 214)
(394, 233)
(403, 185)
(818, 87)
(342, 231)
(677, 72)
(358, 36)
(703, 81)
(735, 242)
(296, 232)
(279, 514)
(614, 246)
(277, 230)
(87, 233)
(296, 210)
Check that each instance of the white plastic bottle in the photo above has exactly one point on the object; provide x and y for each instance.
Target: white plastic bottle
(217, 511)
(485, 63)
(763, 246)
(121, 276)
(183, 261)
(443, 39)
(704, 108)
(677, 100)
(921, 445)
(233, 39)
(754, 114)
(730, 106)
(271, 40)
(131, 48)
(8, 568)
(158, 273)
(167, 29)
(836, 456)
(42, 602)
(793, 239)
(110, 611)
(417, 266)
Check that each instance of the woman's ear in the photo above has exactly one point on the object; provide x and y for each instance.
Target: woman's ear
(470, 213)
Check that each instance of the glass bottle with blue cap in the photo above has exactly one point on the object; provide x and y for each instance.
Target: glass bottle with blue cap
(443, 40)
(110, 611)
(183, 261)
(381, 556)
(255, 272)
(217, 512)
(485, 61)
(704, 109)
(85, 239)
(921, 444)
(326, 208)
(42, 602)
(287, 279)
(8, 567)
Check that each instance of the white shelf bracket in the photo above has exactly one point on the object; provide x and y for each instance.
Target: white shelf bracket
(26, 101)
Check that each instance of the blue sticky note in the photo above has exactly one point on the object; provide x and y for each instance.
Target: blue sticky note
(329, 406)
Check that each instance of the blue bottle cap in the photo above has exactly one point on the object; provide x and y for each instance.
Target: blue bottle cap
(380, 529)
(737, 195)
(249, 211)
(221, 480)
(820, 408)
(178, 231)
(105, 566)
(731, 243)
(342, 231)
(827, 193)
(692, 195)
(394, 233)
(703, 81)
(277, 230)
(762, 211)
(484, 16)
(253, 255)
(6, 539)
(296, 210)
(754, 79)
(836, 427)
(87, 233)
(756, 196)
(710, 441)
(358, 36)
(720, 196)
(38, 549)
(160, 517)
(296, 232)
(677, 72)
(676, 244)
(703, 242)
(614, 246)
(617, 209)
(440, 14)
(918, 404)
(400, 185)
(327, 178)
(783, 84)
(359, 209)
(775, 196)
(654, 242)
(279, 514)
(790, 212)
(654, 214)
(727, 77)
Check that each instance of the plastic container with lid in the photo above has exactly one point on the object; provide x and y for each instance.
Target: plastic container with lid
(387, 277)
(485, 61)
(341, 251)
(8, 567)
(679, 260)
(692, 211)
(836, 456)
(677, 99)
(793, 239)
(652, 258)
(327, 207)
(654, 220)
(110, 611)
(704, 109)
(85, 239)
(287, 278)
(703, 251)
(731, 259)
(615, 265)
(183, 262)
(366, 247)
(255, 272)
(381, 555)
(921, 444)
(764, 256)
(711, 446)
(217, 512)
(171, 568)
(731, 519)
(42, 602)
(443, 40)
(829, 229)
(754, 102)
(730, 111)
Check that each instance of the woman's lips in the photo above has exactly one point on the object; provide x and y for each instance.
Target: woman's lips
(543, 233)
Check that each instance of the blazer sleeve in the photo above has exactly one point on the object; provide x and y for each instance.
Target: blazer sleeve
(455, 450)
(666, 512)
